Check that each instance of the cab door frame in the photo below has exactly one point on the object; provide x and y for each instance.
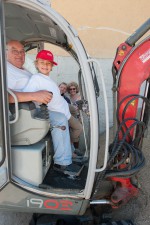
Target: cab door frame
(4, 123)
(84, 62)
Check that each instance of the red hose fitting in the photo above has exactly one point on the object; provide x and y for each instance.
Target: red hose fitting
(124, 190)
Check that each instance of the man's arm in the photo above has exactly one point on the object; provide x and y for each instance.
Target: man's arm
(38, 96)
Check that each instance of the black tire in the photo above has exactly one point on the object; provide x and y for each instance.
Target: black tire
(120, 222)
(48, 219)
(33, 220)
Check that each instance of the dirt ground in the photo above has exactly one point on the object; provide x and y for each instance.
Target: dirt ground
(137, 209)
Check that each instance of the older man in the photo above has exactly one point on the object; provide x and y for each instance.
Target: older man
(17, 78)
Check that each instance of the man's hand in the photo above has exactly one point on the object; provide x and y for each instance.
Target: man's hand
(39, 96)
(42, 96)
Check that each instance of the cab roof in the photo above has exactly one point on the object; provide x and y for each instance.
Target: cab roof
(28, 25)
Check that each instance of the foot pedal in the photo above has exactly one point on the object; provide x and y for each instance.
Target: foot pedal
(72, 170)
(78, 172)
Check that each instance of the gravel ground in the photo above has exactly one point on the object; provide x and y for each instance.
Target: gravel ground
(138, 208)
(9, 218)
(143, 202)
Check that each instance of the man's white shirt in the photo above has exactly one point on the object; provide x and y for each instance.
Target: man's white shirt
(17, 78)
(23, 81)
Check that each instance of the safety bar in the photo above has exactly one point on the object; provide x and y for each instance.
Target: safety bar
(138, 33)
(16, 107)
(106, 113)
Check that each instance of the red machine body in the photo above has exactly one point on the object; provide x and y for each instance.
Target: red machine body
(135, 71)
(131, 68)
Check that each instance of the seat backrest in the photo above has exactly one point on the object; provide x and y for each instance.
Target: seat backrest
(32, 124)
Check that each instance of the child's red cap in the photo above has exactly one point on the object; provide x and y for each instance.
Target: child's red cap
(47, 55)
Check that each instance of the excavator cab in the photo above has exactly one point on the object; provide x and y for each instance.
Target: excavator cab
(28, 182)
(26, 147)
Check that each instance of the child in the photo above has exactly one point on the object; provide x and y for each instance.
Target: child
(58, 107)
(41, 81)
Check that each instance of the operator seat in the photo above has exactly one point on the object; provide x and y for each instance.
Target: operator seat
(32, 124)
(29, 142)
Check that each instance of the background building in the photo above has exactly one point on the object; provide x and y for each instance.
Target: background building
(102, 26)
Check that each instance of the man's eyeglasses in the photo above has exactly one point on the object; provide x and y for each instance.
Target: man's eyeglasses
(72, 89)
(16, 52)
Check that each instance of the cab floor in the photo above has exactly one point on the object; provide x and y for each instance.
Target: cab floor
(58, 180)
